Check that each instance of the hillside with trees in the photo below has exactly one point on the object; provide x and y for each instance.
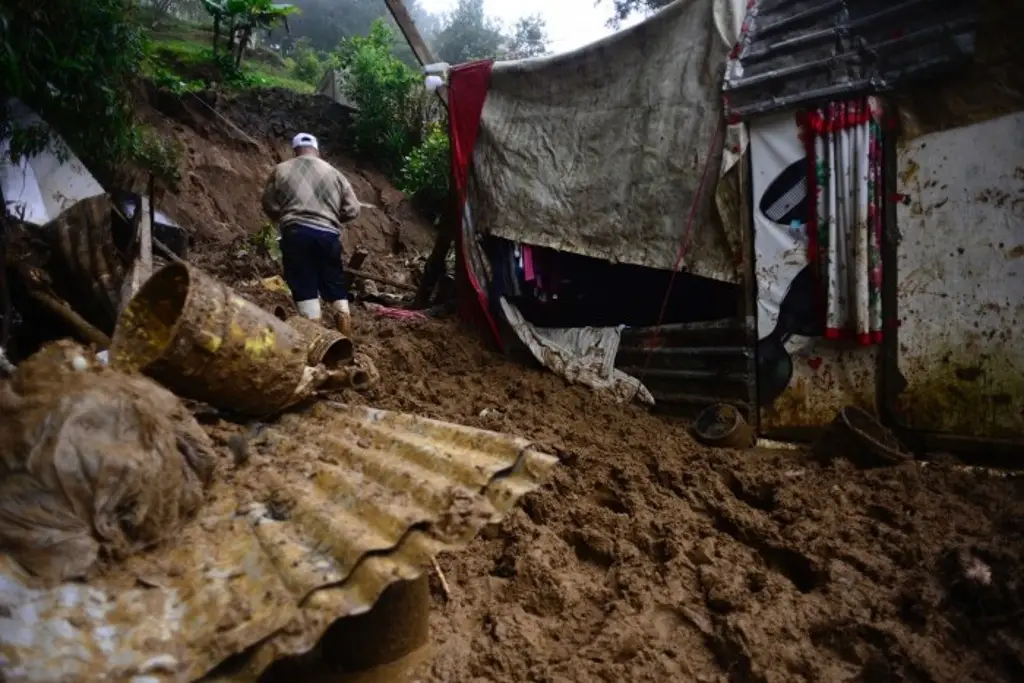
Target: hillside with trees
(183, 46)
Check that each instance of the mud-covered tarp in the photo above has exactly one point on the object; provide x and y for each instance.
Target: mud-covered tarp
(582, 355)
(601, 151)
(92, 462)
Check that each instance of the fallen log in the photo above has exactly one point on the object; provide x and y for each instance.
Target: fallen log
(80, 324)
(382, 280)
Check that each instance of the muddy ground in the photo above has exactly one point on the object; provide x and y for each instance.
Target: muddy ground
(651, 558)
(648, 557)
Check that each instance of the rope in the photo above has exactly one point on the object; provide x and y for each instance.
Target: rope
(224, 118)
(684, 247)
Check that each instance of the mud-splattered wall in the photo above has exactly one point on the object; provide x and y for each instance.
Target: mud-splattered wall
(803, 379)
(961, 279)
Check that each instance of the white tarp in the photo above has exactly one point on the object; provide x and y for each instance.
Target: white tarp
(42, 186)
(600, 151)
(582, 355)
(779, 169)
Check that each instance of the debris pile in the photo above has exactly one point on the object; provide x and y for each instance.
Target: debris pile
(92, 462)
(647, 557)
(245, 537)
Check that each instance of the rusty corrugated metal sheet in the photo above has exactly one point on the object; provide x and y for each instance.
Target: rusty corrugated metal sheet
(335, 505)
(800, 52)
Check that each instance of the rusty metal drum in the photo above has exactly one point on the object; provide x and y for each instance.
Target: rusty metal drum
(199, 338)
(329, 347)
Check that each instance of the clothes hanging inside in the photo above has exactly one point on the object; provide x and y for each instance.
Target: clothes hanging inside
(522, 270)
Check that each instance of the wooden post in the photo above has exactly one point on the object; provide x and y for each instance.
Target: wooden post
(354, 263)
(412, 36)
(142, 262)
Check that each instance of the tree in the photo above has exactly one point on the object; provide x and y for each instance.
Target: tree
(626, 8)
(242, 18)
(469, 34)
(308, 66)
(327, 22)
(258, 15)
(529, 39)
(74, 64)
(388, 94)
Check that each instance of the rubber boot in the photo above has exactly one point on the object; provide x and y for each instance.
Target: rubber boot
(343, 317)
(309, 308)
(345, 324)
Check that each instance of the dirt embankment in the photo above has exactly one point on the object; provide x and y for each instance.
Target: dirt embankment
(230, 143)
(648, 557)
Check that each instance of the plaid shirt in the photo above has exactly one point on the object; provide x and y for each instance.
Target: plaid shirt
(309, 191)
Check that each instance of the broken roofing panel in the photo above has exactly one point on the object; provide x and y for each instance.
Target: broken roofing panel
(332, 507)
(803, 52)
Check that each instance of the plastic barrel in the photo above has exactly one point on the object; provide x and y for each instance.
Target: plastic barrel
(201, 340)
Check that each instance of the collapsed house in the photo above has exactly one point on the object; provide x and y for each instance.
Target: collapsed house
(836, 220)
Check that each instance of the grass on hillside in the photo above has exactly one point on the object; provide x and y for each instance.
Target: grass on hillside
(181, 57)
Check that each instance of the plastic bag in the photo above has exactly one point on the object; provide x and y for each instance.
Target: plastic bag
(92, 461)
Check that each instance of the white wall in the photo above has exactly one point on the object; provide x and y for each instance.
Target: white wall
(961, 279)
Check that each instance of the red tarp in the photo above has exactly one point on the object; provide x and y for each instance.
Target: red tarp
(467, 89)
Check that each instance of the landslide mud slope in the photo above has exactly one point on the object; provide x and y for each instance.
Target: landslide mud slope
(648, 557)
(651, 558)
(229, 144)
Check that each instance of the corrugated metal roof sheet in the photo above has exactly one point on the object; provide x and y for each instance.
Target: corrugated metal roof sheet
(800, 52)
(335, 505)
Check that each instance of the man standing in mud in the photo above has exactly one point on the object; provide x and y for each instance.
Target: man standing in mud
(311, 200)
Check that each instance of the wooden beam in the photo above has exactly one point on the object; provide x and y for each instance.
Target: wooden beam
(142, 258)
(412, 36)
(382, 280)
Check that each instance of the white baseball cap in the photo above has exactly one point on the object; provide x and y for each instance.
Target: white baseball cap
(305, 140)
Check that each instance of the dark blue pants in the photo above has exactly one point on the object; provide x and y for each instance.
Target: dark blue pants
(312, 263)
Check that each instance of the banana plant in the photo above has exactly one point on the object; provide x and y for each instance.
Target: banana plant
(218, 10)
(244, 16)
(259, 15)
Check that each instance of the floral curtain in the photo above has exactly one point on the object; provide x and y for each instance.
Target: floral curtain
(844, 148)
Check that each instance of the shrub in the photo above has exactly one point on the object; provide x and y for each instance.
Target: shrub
(399, 126)
(307, 66)
(73, 63)
(390, 119)
(427, 171)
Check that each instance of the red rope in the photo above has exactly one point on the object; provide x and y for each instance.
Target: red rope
(684, 247)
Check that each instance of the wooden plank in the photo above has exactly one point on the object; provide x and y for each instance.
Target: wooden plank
(382, 280)
(142, 261)
(412, 36)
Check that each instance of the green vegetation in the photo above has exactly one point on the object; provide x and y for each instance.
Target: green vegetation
(399, 125)
(73, 61)
(240, 18)
(180, 57)
(427, 169)
(76, 61)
